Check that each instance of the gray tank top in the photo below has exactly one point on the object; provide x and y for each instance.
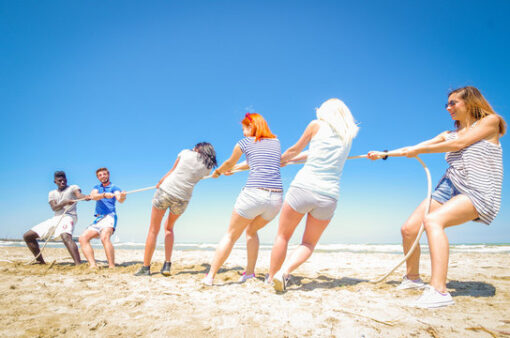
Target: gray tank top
(477, 171)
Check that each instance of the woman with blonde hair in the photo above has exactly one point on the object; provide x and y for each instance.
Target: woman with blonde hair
(261, 198)
(316, 187)
(470, 190)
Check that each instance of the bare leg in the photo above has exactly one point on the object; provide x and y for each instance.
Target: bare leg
(152, 236)
(313, 231)
(456, 211)
(252, 242)
(30, 238)
(235, 229)
(169, 235)
(289, 219)
(409, 232)
(71, 247)
(87, 250)
(108, 246)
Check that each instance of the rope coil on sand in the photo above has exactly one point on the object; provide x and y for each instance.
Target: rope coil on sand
(388, 154)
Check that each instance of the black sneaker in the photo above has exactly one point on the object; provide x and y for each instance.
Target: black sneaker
(144, 271)
(165, 270)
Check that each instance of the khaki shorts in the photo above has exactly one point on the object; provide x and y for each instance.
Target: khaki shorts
(163, 201)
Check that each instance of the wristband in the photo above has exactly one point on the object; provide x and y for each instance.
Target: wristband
(385, 157)
(104, 195)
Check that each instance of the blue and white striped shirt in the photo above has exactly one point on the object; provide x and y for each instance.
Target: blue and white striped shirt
(263, 157)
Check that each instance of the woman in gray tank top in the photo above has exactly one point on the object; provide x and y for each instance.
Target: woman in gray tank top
(470, 190)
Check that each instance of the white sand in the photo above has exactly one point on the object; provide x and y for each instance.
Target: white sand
(329, 296)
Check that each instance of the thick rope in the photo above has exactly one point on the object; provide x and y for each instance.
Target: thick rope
(389, 154)
(50, 234)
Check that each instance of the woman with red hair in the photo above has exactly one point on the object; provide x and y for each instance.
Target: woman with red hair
(261, 198)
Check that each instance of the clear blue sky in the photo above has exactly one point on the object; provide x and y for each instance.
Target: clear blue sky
(128, 84)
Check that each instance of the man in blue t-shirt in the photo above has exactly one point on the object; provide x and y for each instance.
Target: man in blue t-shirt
(106, 194)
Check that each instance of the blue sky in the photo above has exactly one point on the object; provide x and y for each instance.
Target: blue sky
(128, 84)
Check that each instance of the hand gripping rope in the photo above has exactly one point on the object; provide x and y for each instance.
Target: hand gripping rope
(54, 227)
(388, 154)
(427, 209)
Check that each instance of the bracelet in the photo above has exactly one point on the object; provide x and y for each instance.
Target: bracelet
(385, 157)
(104, 195)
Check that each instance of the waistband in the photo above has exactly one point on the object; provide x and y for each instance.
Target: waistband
(270, 190)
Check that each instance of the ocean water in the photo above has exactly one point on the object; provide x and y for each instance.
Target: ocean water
(353, 248)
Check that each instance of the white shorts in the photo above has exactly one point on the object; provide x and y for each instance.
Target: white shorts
(63, 224)
(253, 202)
(304, 201)
(103, 222)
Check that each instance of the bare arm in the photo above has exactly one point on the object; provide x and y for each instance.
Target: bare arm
(485, 128)
(120, 196)
(229, 164)
(292, 152)
(376, 155)
(58, 206)
(168, 173)
(79, 195)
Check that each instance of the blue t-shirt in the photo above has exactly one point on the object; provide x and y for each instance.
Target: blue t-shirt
(106, 206)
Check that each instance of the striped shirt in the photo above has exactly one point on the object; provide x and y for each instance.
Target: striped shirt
(263, 157)
(477, 171)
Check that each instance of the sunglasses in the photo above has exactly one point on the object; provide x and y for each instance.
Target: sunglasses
(451, 103)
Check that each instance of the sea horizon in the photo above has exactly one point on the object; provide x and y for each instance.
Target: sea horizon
(391, 248)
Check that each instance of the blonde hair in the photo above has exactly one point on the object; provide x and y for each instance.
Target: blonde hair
(477, 106)
(339, 117)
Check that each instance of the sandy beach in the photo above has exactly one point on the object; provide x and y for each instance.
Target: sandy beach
(328, 296)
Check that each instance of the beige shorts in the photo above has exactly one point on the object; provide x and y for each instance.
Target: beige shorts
(163, 201)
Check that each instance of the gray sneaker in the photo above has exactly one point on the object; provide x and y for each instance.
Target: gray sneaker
(144, 271)
(165, 270)
(411, 284)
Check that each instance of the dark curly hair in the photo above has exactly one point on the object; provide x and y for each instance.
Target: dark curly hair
(207, 154)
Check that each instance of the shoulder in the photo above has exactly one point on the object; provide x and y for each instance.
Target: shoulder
(490, 120)
(115, 188)
(185, 152)
(74, 187)
(245, 141)
(52, 193)
(313, 127)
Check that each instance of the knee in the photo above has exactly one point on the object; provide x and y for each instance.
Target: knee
(409, 230)
(66, 237)
(28, 236)
(250, 233)
(309, 245)
(431, 223)
(105, 238)
(82, 240)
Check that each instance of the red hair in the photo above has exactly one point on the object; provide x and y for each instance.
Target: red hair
(259, 127)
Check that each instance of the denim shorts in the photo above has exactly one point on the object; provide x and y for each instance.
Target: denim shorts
(303, 201)
(253, 202)
(445, 190)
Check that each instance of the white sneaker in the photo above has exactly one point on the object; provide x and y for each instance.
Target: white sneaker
(431, 298)
(207, 281)
(411, 284)
(244, 277)
(279, 282)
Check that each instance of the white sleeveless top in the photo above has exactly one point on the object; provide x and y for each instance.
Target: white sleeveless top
(477, 171)
(324, 165)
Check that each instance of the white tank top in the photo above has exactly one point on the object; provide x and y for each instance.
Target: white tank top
(324, 165)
